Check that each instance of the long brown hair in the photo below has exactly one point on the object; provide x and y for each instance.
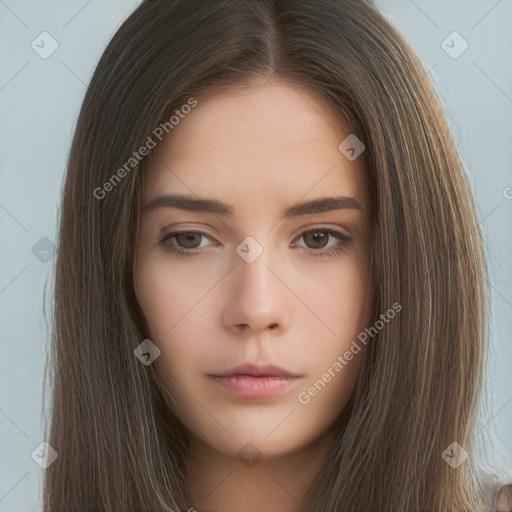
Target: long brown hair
(121, 446)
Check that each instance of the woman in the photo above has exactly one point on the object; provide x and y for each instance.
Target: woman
(270, 283)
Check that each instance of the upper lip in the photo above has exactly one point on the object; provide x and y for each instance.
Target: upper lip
(257, 370)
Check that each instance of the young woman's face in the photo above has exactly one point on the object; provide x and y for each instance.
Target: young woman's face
(254, 277)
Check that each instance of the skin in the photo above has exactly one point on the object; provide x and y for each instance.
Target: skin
(260, 149)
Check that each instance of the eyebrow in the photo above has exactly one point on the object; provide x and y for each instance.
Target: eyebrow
(191, 203)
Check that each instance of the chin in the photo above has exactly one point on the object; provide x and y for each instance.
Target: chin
(250, 443)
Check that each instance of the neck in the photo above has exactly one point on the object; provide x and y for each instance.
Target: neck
(222, 483)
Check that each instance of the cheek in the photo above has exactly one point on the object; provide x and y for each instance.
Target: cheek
(167, 295)
(341, 301)
(173, 302)
(339, 295)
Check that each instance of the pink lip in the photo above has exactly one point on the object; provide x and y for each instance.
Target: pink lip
(248, 386)
(257, 370)
(256, 381)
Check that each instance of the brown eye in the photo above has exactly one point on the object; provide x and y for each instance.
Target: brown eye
(184, 243)
(188, 240)
(316, 239)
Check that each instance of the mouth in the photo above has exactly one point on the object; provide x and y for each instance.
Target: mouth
(256, 381)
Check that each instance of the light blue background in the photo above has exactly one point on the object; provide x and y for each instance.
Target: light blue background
(39, 103)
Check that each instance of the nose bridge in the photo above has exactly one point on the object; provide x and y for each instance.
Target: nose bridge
(255, 276)
(259, 298)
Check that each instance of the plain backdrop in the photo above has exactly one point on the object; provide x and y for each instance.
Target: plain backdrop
(39, 103)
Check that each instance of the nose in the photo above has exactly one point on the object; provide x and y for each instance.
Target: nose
(259, 299)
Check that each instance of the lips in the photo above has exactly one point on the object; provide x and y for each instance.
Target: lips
(256, 381)
(255, 370)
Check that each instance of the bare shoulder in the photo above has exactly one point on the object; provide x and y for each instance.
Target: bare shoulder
(503, 498)
(496, 490)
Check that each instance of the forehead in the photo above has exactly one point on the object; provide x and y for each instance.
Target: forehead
(265, 143)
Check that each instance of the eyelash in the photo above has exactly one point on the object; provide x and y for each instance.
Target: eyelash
(345, 240)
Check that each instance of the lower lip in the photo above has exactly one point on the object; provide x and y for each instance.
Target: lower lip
(248, 386)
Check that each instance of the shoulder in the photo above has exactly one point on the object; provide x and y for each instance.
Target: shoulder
(502, 498)
(495, 489)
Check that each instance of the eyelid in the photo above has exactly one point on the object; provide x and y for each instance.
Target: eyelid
(305, 229)
(169, 233)
(325, 227)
